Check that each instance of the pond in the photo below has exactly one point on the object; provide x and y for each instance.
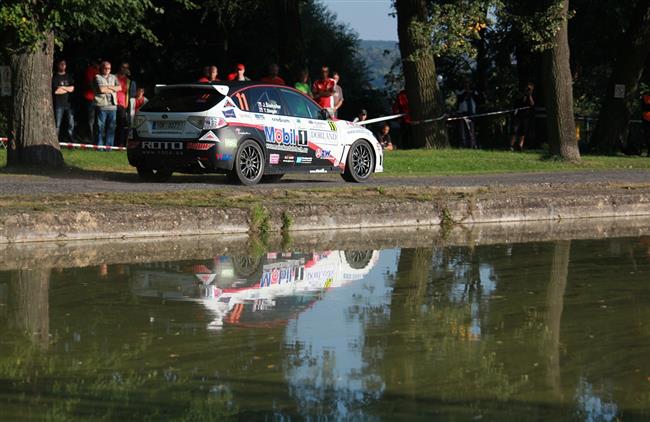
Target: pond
(553, 330)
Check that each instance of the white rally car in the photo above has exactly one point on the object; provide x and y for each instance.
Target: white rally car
(251, 131)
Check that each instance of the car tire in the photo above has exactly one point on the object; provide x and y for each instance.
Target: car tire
(272, 178)
(360, 163)
(358, 260)
(248, 167)
(154, 175)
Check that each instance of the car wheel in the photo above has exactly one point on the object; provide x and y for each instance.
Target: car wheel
(249, 163)
(153, 175)
(358, 260)
(246, 266)
(360, 163)
(272, 178)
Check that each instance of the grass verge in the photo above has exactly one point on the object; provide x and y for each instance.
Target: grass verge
(408, 163)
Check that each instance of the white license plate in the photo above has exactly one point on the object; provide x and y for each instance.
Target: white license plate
(167, 126)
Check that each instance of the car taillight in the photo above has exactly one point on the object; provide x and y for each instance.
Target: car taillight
(207, 123)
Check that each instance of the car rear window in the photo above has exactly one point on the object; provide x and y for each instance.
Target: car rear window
(183, 99)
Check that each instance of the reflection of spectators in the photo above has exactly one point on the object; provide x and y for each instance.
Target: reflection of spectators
(62, 86)
(467, 103)
(363, 115)
(239, 74)
(384, 138)
(272, 77)
(401, 106)
(323, 91)
(523, 118)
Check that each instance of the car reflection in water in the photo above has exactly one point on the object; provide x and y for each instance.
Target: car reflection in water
(256, 291)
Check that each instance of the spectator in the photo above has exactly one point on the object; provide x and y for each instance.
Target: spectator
(645, 108)
(89, 96)
(338, 94)
(384, 138)
(106, 89)
(210, 75)
(323, 90)
(467, 101)
(401, 106)
(139, 100)
(363, 115)
(303, 83)
(239, 74)
(272, 77)
(523, 118)
(62, 87)
(124, 95)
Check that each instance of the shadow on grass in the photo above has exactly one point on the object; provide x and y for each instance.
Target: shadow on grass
(73, 172)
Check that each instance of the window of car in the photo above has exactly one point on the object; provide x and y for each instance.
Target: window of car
(183, 99)
(259, 100)
(298, 105)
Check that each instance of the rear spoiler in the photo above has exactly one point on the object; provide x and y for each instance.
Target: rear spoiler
(221, 89)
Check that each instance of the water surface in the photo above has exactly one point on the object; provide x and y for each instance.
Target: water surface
(538, 331)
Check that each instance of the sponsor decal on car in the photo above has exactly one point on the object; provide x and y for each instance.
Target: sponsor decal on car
(280, 120)
(318, 171)
(242, 132)
(229, 103)
(323, 154)
(288, 159)
(289, 137)
(223, 157)
(332, 125)
(274, 158)
(199, 146)
(260, 117)
(229, 113)
(322, 135)
(230, 142)
(303, 160)
(209, 136)
(269, 107)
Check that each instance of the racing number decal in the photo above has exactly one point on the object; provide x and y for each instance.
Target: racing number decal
(332, 125)
(242, 101)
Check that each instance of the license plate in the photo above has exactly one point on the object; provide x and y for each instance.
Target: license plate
(167, 126)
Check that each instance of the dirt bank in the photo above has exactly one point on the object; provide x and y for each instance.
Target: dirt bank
(286, 211)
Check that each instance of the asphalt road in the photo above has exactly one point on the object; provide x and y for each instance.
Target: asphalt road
(17, 184)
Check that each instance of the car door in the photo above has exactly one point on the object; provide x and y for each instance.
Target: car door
(321, 136)
(281, 138)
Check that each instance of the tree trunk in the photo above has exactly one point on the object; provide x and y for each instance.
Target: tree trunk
(558, 83)
(613, 123)
(29, 293)
(290, 40)
(553, 318)
(420, 76)
(34, 134)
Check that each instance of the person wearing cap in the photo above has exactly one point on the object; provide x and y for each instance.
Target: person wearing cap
(238, 74)
(363, 115)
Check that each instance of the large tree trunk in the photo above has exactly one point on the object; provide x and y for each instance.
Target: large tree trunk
(29, 298)
(290, 40)
(558, 83)
(32, 122)
(420, 75)
(613, 123)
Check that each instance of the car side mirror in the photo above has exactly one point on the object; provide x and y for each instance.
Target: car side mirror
(324, 114)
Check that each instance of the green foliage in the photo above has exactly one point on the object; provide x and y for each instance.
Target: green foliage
(454, 25)
(537, 22)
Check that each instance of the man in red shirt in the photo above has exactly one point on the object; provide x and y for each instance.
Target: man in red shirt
(401, 106)
(123, 96)
(323, 90)
(211, 75)
(239, 74)
(89, 96)
(272, 77)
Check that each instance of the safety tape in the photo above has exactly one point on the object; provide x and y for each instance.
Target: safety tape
(71, 145)
(443, 117)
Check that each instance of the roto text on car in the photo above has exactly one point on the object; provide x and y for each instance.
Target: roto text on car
(250, 131)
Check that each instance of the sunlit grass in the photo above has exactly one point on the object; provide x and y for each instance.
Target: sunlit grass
(411, 162)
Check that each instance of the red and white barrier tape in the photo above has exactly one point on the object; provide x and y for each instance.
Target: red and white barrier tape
(72, 145)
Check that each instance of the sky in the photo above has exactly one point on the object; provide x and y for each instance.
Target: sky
(369, 18)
